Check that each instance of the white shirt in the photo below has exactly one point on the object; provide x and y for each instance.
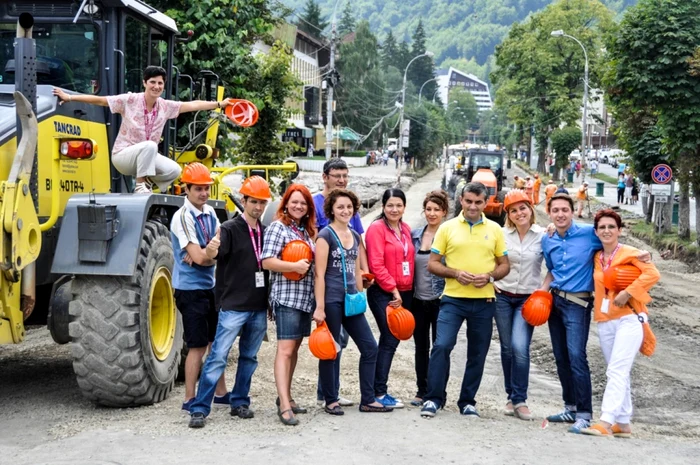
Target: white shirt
(525, 259)
(183, 225)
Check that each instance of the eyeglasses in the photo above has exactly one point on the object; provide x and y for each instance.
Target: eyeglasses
(339, 176)
(609, 226)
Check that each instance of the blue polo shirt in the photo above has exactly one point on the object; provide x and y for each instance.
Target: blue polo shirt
(570, 258)
(322, 220)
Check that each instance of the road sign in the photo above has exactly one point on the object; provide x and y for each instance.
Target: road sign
(661, 198)
(405, 131)
(662, 174)
(660, 189)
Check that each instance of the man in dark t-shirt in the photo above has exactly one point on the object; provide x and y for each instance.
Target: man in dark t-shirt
(241, 296)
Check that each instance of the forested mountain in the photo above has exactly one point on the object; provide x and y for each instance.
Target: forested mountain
(462, 33)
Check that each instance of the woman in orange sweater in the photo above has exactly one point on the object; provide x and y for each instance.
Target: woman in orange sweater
(619, 328)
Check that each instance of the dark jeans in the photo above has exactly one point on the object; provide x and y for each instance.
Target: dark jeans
(425, 313)
(569, 324)
(378, 301)
(360, 332)
(620, 194)
(344, 337)
(515, 335)
(479, 316)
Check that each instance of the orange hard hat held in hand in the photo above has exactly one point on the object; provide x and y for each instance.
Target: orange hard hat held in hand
(295, 251)
(401, 322)
(322, 344)
(537, 308)
(620, 277)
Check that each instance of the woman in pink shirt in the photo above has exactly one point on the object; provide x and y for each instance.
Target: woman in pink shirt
(391, 257)
(135, 151)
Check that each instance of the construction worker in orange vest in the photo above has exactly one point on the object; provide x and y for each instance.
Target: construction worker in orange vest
(536, 189)
(549, 192)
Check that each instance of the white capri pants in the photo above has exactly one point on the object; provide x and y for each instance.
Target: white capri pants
(620, 341)
(143, 160)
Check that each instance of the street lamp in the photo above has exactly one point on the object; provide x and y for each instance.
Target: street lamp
(584, 120)
(420, 92)
(403, 106)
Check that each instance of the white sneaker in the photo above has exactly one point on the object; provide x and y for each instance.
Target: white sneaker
(142, 188)
(343, 402)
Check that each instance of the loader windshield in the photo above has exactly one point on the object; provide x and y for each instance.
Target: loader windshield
(67, 55)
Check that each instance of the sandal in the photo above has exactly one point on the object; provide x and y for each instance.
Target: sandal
(597, 430)
(509, 409)
(334, 410)
(519, 413)
(618, 433)
(291, 421)
(295, 408)
(371, 408)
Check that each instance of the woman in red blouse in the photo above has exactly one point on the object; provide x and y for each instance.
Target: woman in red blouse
(390, 253)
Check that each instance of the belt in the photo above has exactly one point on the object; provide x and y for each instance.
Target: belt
(515, 296)
(575, 297)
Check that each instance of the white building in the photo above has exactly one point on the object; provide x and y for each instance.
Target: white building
(448, 79)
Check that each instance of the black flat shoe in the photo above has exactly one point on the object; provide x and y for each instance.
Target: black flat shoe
(334, 411)
(371, 408)
(295, 408)
(292, 421)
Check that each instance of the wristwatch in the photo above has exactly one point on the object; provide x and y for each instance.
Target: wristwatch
(491, 280)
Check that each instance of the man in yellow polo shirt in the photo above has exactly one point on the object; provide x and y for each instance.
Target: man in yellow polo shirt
(475, 254)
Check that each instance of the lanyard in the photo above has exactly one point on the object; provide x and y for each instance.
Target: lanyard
(302, 235)
(403, 243)
(610, 259)
(203, 227)
(149, 123)
(257, 247)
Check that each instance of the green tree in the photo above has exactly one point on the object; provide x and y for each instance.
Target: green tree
(539, 77)
(564, 141)
(311, 21)
(273, 84)
(423, 69)
(389, 51)
(652, 67)
(403, 56)
(347, 21)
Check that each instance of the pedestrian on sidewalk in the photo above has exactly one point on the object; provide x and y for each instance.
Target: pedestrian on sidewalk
(621, 188)
(391, 256)
(635, 190)
(193, 226)
(335, 176)
(581, 198)
(475, 256)
(427, 289)
(523, 240)
(242, 296)
(536, 189)
(292, 301)
(619, 329)
(338, 273)
(594, 167)
(629, 183)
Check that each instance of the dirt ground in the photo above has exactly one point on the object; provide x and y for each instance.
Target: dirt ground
(44, 419)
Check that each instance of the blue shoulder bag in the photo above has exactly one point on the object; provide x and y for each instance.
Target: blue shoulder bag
(355, 304)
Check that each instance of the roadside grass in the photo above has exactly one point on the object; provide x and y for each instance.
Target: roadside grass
(686, 250)
(606, 178)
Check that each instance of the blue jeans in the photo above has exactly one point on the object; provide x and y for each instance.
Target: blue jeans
(569, 324)
(515, 335)
(378, 301)
(453, 311)
(360, 332)
(344, 338)
(252, 327)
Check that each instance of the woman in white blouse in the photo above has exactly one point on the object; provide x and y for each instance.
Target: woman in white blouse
(523, 239)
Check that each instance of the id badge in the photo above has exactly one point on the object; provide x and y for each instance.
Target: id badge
(406, 269)
(259, 279)
(605, 306)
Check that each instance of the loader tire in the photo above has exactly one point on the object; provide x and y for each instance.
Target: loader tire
(126, 333)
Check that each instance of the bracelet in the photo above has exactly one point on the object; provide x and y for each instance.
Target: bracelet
(218, 104)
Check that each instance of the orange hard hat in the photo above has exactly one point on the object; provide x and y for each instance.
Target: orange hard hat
(401, 322)
(537, 308)
(322, 344)
(293, 252)
(618, 278)
(242, 112)
(196, 173)
(515, 196)
(256, 187)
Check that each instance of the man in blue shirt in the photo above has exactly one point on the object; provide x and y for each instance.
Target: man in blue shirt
(569, 257)
(335, 176)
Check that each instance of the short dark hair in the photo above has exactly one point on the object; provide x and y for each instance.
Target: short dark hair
(153, 71)
(334, 164)
(333, 196)
(560, 196)
(475, 188)
(607, 213)
(389, 193)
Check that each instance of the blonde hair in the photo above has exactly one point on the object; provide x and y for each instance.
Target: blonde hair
(510, 224)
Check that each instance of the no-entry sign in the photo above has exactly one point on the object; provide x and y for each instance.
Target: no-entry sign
(662, 174)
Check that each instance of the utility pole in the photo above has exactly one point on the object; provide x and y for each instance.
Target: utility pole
(329, 95)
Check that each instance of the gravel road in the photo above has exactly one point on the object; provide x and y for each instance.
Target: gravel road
(44, 420)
